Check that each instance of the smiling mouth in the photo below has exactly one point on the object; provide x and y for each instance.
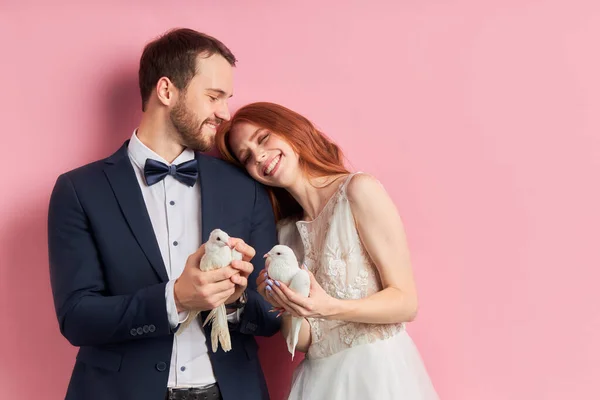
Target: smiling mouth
(272, 165)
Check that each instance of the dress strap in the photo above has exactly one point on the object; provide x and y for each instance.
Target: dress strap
(348, 179)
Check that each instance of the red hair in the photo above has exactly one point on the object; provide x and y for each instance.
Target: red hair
(318, 155)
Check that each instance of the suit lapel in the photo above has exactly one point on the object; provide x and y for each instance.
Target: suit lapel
(210, 204)
(123, 181)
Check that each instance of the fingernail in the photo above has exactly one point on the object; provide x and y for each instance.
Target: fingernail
(277, 283)
(270, 282)
(269, 287)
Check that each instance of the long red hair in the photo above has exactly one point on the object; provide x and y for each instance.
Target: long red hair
(318, 155)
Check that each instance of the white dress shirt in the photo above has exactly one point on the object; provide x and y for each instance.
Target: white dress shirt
(174, 210)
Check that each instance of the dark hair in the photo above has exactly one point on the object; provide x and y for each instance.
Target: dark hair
(173, 55)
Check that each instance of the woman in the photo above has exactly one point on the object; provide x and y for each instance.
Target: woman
(347, 231)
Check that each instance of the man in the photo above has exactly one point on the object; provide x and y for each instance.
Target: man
(125, 238)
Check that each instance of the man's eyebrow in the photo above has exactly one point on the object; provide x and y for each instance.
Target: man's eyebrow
(221, 93)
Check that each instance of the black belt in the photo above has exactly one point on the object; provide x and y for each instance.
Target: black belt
(211, 392)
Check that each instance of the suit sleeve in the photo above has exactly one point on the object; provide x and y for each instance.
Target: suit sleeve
(87, 315)
(256, 318)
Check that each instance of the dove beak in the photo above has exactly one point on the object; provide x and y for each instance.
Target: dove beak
(230, 244)
(266, 255)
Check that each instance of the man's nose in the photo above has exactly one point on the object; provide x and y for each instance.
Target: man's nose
(223, 112)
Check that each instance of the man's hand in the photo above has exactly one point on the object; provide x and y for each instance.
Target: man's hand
(196, 290)
(243, 267)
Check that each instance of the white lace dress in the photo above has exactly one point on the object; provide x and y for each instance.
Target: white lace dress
(347, 360)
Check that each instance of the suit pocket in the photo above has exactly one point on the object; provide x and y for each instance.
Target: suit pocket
(100, 358)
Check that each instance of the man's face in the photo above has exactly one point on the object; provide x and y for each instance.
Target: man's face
(203, 105)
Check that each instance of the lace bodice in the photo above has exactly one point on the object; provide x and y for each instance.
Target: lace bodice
(330, 247)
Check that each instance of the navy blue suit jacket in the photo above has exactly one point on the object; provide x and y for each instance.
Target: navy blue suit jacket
(108, 279)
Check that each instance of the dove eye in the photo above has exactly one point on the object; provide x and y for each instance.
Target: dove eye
(218, 238)
(278, 253)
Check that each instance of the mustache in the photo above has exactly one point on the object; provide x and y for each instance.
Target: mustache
(216, 121)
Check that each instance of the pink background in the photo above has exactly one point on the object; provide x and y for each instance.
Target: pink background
(482, 119)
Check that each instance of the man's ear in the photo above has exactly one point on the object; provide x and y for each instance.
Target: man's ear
(166, 91)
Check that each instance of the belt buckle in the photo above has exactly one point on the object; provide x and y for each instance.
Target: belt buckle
(193, 393)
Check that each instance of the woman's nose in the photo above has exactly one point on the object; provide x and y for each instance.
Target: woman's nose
(261, 157)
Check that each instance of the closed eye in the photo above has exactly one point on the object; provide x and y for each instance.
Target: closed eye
(263, 138)
(243, 156)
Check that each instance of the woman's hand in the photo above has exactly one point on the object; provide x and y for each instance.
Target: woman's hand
(318, 304)
(261, 287)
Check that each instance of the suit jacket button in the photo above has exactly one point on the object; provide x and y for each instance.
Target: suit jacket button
(161, 366)
(133, 332)
(140, 331)
(146, 329)
(151, 328)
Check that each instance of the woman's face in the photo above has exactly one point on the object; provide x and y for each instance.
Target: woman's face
(267, 158)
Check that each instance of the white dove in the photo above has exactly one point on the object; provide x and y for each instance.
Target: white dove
(218, 254)
(282, 266)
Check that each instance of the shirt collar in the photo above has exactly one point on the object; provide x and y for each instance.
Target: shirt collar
(139, 153)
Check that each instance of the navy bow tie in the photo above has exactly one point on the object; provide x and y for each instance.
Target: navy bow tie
(186, 172)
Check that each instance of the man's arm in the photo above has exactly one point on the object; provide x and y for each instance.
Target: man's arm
(86, 315)
(256, 318)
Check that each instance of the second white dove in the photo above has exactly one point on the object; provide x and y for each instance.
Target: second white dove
(282, 266)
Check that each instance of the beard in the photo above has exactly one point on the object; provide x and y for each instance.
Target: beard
(189, 127)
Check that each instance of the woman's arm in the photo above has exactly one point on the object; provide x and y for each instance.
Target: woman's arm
(381, 231)
(382, 234)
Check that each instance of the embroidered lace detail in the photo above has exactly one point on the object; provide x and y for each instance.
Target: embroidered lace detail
(331, 249)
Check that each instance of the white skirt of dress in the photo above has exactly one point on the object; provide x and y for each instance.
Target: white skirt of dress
(389, 369)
